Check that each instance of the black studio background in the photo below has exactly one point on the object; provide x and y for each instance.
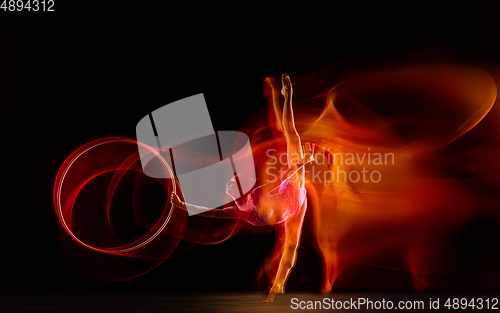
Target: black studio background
(88, 71)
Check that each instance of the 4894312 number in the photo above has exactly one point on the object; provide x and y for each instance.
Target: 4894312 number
(27, 5)
(474, 303)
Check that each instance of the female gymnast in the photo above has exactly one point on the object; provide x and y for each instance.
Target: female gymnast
(264, 206)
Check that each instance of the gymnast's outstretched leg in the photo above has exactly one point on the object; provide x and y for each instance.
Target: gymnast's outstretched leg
(291, 232)
(294, 146)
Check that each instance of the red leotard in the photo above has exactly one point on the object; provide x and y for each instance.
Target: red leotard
(292, 198)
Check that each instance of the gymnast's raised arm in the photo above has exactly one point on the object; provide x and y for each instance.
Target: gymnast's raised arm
(232, 212)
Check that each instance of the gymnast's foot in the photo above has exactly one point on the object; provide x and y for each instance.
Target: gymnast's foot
(272, 294)
(326, 289)
(286, 90)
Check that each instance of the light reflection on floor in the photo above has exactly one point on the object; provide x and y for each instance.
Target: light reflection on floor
(215, 302)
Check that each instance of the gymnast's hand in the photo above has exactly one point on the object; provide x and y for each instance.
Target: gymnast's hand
(308, 150)
(176, 201)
